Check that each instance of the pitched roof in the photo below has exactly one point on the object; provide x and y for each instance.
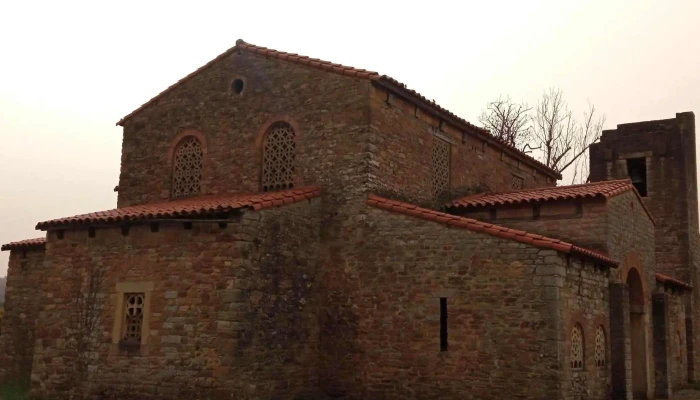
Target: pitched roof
(604, 189)
(36, 243)
(190, 207)
(383, 80)
(672, 281)
(490, 229)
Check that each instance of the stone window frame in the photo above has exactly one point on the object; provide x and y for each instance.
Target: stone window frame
(122, 289)
(174, 144)
(267, 186)
(622, 160)
(519, 178)
(232, 92)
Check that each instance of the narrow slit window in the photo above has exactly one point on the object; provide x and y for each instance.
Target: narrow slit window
(441, 168)
(443, 324)
(600, 347)
(637, 171)
(577, 347)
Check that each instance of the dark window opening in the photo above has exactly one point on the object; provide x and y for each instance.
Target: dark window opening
(443, 323)
(238, 86)
(637, 171)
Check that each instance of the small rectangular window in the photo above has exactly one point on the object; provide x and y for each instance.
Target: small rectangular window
(637, 171)
(133, 318)
(443, 323)
(516, 182)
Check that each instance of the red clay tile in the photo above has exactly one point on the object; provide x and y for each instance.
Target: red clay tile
(491, 229)
(360, 73)
(196, 206)
(672, 281)
(603, 189)
(36, 243)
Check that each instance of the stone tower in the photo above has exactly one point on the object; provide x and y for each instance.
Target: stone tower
(659, 158)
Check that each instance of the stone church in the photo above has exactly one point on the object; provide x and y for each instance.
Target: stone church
(290, 228)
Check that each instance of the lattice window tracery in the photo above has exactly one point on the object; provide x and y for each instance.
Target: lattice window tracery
(133, 314)
(600, 347)
(516, 182)
(187, 168)
(441, 168)
(279, 154)
(577, 347)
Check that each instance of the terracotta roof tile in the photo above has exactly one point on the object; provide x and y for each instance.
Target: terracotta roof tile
(36, 243)
(604, 189)
(383, 80)
(196, 206)
(672, 281)
(491, 229)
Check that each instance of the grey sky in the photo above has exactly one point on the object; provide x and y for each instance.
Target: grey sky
(70, 70)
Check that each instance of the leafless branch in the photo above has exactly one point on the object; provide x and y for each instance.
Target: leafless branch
(508, 121)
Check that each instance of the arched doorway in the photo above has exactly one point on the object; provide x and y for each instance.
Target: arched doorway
(637, 334)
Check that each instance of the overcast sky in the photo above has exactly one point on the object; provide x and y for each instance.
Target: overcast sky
(70, 70)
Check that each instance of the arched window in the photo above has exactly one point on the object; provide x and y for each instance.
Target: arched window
(187, 168)
(577, 347)
(600, 347)
(279, 153)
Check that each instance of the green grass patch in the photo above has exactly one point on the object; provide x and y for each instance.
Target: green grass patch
(18, 390)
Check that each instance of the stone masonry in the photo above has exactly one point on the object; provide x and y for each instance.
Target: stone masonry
(358, 276)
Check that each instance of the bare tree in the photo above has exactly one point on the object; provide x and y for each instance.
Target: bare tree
(562, 139)
(508, 121)
(551, 130)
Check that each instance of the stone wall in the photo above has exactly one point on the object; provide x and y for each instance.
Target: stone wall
(25, 274)
(669, 149)
(585, 301)
(583, 222)
(502, 318)
(233, 310)
(631, 241)
(329, 113)
(401, 156)
(678, 350)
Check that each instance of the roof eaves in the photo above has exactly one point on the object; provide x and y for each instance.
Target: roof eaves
(491, 229)
(384, 80)
(36, 243)
(192, 208)
(672, 281)
(409, 94)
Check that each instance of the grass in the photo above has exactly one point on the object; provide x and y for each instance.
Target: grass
(18, 390)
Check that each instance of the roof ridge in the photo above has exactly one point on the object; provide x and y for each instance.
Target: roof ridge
(385, 80)
(488, 228)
